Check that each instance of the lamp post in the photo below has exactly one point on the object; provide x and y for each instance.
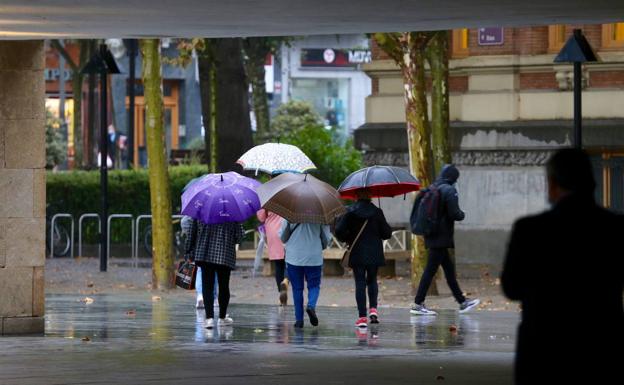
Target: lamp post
(103, 63)
(578, 51)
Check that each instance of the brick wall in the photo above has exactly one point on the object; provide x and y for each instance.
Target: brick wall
(606, 79)
(538, 81)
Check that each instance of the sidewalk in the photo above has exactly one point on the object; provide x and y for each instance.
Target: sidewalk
(81, 276)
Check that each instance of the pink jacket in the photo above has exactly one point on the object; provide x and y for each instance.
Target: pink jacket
(272, 225)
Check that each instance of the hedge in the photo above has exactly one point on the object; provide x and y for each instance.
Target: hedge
(78, 192)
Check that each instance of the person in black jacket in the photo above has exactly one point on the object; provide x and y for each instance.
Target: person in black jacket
(439, 242)
(367, 253)
(565, 266)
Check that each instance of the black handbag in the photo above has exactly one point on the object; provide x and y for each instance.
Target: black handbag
(186, 274)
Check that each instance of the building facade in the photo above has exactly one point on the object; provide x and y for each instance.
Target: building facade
(511, 106)
(326, 71)
(182, 103)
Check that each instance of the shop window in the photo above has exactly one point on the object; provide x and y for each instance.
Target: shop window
(329, 97)
(556, 38)
(460, 43)
(613, 36)
(609, 174)
(170, 118)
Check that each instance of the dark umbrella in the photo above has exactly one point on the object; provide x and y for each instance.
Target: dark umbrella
(379, 181)
(301, 198)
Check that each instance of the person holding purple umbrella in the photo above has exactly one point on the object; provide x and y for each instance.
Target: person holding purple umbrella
(213, 248)
(218, 203)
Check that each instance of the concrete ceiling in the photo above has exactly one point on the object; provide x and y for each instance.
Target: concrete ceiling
(26, 19)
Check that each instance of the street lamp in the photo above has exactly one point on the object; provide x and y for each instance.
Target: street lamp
(103, 63)
(577, 50)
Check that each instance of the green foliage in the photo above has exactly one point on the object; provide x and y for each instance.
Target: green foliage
(56, 148)
(197, 143)
(293, 117)
(78, 192)
(333, 160)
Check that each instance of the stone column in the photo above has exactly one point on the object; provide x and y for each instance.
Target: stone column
(22, 186)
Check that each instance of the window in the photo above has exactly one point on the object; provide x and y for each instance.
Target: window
(170, 117)
(556, 38)
(460, 43)
(613, 36)
(609, 174)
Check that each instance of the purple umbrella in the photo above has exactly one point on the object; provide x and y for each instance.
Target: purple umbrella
(220, 198)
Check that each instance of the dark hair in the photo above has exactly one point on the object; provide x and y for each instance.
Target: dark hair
(571, 169)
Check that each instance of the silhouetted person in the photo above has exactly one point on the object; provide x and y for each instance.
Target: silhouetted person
(565, 267)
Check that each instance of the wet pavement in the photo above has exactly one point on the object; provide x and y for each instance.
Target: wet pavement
(140, 339)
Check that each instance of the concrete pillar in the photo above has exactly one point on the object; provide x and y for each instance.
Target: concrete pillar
(22, 187)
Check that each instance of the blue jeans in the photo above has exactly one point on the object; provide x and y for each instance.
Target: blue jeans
(312, 276)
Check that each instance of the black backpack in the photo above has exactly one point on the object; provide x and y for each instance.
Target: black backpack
(425, 217)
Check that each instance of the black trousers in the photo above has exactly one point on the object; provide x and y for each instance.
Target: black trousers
(279, 265)
(208, 283)
(439, 257)
(365, 277)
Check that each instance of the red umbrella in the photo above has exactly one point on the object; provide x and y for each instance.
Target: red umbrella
(379, 181)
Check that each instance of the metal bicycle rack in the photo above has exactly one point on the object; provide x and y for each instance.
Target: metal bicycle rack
(108, 225)
(136, 234)
(71, 234)
(80, 219)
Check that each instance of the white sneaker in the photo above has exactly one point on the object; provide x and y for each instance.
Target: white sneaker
(209, 323)
(420, 309)
(468, 305)
(226, 321)
(200, 302)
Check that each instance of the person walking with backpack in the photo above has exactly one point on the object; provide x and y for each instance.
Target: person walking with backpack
(365, 219)
(434, 214)
(304, 244)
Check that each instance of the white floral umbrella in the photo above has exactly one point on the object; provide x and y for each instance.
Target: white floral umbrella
(276, 158)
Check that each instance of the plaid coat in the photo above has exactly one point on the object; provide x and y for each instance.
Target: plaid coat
(214, 243)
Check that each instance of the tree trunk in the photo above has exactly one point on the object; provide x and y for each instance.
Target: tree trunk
(92, 152)
(256, 50)
(438, 58)
(206, 66)
(418, 134)
(233, 128)
(78, 141)
(160, 195)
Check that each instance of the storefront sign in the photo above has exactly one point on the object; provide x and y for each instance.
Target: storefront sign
(52, 74)
(330, 57)
(491, 36)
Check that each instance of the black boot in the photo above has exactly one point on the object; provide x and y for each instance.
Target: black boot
(312, 314)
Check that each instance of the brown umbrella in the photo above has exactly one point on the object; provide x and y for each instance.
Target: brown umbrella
(301, 198)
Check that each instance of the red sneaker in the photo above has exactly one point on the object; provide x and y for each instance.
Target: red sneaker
(374, 317)
(362, 322)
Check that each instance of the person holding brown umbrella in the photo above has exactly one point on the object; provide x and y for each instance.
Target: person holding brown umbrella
(304, 244)
(308, 205)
